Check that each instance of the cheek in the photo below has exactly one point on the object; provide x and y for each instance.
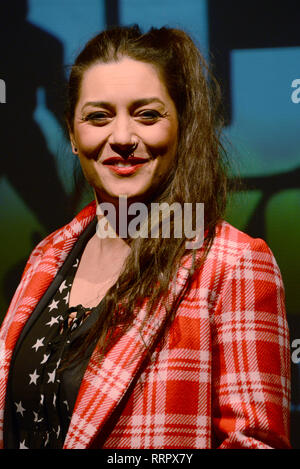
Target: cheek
(89, 140)
(161, 141)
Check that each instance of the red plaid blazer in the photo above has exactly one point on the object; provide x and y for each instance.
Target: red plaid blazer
(219, 379)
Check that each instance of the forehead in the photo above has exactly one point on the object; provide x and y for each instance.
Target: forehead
(126, 79)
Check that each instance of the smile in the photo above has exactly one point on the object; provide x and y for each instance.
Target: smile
(125, 167)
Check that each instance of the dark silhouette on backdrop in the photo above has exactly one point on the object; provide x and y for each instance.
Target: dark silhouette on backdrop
(251, 25)
(112, 16)
(30, 58)
(248, 25)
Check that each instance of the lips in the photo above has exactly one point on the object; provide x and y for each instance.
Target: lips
(131, 161)
(123, 167)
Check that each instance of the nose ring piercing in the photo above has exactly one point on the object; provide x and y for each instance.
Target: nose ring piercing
(134, 147)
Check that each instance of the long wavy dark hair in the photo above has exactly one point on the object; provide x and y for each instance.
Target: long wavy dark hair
(199, 173)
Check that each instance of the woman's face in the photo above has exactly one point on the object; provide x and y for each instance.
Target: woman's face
(121, 105)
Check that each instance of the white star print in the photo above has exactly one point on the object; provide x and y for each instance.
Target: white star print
(20, 408)
(62, 287)
(76, 263)
(33, 377)
(38, 344)
(53, 305)
(66, 298)
(45, 358)
(51, 377)
(42, 399)
(47, 439)
(52, 321)
(58, 431)
(22, 445)
(54, 400)
(36, 417)
(67, 404)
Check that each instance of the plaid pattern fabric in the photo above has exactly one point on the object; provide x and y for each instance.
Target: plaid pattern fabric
(219, 379)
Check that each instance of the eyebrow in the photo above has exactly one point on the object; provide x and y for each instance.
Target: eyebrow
(135, 104)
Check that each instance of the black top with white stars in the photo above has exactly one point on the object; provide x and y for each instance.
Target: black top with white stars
(42, 395)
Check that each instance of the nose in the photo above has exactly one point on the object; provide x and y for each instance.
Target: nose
(122, 139)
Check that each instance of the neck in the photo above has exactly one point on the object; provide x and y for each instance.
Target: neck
(114, 219)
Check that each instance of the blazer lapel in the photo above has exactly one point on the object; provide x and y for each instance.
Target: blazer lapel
(105, 382)
(33, 286)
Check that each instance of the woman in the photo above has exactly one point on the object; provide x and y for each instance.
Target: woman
(143, 342)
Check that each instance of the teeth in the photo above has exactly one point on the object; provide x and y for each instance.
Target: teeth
(123, 165)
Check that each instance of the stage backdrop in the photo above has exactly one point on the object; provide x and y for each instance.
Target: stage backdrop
(255, 51)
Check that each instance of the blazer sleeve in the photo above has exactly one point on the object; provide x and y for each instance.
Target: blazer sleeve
(251, 356)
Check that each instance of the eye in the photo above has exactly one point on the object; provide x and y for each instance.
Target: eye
(149, 116)
(98, 117)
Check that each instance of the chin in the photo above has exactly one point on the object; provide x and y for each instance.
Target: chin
(130, 191)
(113, 196)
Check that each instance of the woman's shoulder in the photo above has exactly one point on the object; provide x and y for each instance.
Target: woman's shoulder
(236, 253)
(231, 239)
(71, 229)
(62, 238)
(239, 266)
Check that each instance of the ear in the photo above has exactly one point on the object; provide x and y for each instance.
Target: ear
(73, 142)
(74, 147)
